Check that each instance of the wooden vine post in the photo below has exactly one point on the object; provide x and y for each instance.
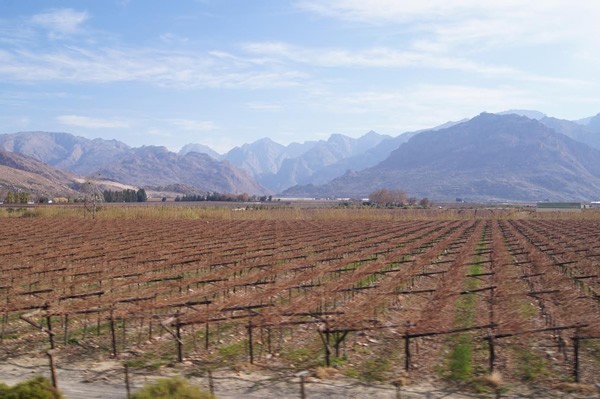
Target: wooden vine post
(50, 354)
(492, 349)
(250, 341)
(407, 346)
(178, 338)
(576, 355)
(48, 330)
(113, 333)
(324, 334)
(175, 334)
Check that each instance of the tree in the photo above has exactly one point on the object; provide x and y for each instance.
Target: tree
(141, 195)
(425, 203)
(385, 197)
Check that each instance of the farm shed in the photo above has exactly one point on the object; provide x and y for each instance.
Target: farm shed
(559, 207)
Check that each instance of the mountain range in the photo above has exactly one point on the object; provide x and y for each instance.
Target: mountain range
(490, 157)
(514, 155)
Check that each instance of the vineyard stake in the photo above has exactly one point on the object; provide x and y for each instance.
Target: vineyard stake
(123, 334)
(406, 352)
(206, 335)
(211, 383)
(178, 339)
(50, 354)
(250, 344)
(127, 387)
(113, 334)
(206, 328)
(269, 340)
(66, 331)
(4, 321)
(576, 356)
(302, 375)
(50, 333)
(407, 346)
(324, 334)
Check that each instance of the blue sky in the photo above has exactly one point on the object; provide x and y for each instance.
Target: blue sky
(226, 72)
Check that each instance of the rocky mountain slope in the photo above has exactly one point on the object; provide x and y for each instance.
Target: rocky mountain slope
(143, 167)
(490, 157)
(278, 167)
(156, 168)
(21, 173)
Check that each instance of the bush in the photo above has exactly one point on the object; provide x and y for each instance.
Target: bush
(171, 388)
(461, 357)
(35, 388)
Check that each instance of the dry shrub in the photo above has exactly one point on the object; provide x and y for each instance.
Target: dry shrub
(401, 381)
(325, 373)
(573, 387)
(493, 380)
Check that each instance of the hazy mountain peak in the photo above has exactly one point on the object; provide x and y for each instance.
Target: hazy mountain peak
(199, 148)
(531, 114)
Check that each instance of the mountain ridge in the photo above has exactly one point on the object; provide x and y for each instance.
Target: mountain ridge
(490, 157)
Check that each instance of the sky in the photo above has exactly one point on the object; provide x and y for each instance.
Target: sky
(227, 72)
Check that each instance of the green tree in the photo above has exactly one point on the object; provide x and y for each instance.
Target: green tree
(23, 197)
(141, 195)
(10, 198)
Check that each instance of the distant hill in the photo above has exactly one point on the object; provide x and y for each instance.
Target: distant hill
(65, 151)
(158, 168)
(278, 167)
(490, 157)
(587, 134)
(21, 173)
(146, 166)
(261, 157)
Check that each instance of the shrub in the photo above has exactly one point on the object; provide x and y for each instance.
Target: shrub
(171, 388)
(531, 365)
(460, 360)
(35, 388)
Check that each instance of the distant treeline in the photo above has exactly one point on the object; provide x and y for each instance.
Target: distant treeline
(224, 197)
(17, 197)
(125, 196)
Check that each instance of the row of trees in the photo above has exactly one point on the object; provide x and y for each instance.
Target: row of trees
(396, 198)
(125, 195)
(224, 197)
(14, 197)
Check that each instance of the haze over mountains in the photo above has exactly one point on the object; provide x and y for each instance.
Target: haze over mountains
(490, 157)
(515, 155)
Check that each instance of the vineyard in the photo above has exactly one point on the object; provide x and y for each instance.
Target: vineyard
(450, 298)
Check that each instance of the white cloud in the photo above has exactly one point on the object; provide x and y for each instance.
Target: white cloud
(168, 68)
(372, 57)
(450, 25)
(423, 106)
(259, 106)
(172, 38)
(194, 125)
(91, 123)
(383, 57)
(61, 22)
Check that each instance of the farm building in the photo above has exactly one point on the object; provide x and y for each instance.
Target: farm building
(559, 207)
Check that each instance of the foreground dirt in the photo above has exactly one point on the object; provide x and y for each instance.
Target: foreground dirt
(105, 379)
